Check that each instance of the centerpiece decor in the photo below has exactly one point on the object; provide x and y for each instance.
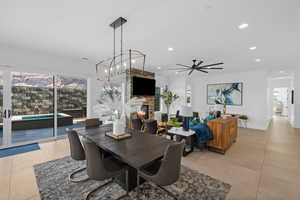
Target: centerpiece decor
(168, 98)
(110, 107)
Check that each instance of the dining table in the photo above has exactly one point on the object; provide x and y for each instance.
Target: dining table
(137, 151)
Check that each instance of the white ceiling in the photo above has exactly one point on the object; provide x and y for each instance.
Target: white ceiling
(204, 29)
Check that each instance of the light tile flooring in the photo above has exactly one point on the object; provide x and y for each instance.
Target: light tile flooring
(260, 165)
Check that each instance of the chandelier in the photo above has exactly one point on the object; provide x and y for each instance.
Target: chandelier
(119, 64)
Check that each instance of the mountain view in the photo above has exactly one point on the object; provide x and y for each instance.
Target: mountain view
(46, 81)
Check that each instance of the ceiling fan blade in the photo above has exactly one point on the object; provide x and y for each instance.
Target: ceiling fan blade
(191, 72)
(183, 65)
(176, 68)
(202, 71)
(210, 65)
(199, 63)
(214, 68)
(183, 70)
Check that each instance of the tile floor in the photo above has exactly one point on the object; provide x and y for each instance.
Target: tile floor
(260, 165)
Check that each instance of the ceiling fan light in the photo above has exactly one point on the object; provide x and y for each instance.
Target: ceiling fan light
(257, 60)
(170, 49)
(243, 26)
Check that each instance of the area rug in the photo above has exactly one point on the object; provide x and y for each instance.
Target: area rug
(53, 183)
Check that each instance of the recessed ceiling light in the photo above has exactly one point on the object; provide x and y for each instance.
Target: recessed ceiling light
(257, 60)
(133, 61)
(170, 49)
(252, 48)
(281, 72)
(176, 72)
(243, 26)
(158, 67)
(118, 66)
(124, 64)
(105, 71)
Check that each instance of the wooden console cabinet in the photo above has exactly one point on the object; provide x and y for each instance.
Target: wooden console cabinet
(224, 133)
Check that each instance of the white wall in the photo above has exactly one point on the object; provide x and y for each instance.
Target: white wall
(35, 61)
(254, 95)
(177, 84)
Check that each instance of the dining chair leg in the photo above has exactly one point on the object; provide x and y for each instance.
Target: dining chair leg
(72, 179)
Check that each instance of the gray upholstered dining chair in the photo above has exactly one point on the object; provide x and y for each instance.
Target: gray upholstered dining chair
(150, 126)
(167, 171)
(77, 153)
(101, 169)
(137, 124)
(92, 123)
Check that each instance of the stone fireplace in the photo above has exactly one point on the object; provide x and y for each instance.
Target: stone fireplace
(149, 100)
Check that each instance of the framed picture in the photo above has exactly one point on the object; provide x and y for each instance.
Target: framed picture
(225, 93)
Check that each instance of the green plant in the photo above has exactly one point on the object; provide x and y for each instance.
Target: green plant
(168, 97)
(175, 123)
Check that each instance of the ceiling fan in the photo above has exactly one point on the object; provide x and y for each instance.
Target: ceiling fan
(197, 66)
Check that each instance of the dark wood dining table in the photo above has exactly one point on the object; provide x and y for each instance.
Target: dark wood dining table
(137, 151)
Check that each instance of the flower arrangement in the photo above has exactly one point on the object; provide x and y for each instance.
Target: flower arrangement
(110, 105)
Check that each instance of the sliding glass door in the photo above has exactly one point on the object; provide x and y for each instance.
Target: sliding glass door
(32, 107)
(71, 103)
(1, 109)
(38, 106)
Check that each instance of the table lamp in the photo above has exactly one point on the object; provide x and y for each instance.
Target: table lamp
(186, 113)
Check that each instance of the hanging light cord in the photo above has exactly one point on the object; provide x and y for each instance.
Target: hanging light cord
(121, 44)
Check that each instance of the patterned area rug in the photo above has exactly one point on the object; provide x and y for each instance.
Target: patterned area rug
(53, 183)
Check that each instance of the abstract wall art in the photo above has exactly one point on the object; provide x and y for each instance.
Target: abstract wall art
(225, 93)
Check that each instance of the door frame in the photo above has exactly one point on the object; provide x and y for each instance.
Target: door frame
(6, 108)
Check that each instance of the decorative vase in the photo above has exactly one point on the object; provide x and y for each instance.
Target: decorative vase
(118, 127)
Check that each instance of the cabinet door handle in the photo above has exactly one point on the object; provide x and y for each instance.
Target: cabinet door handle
(4, 113)
(9, 113)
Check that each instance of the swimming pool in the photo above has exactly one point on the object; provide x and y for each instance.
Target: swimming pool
(27, 122)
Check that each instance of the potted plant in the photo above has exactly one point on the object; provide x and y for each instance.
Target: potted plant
(168, 98)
